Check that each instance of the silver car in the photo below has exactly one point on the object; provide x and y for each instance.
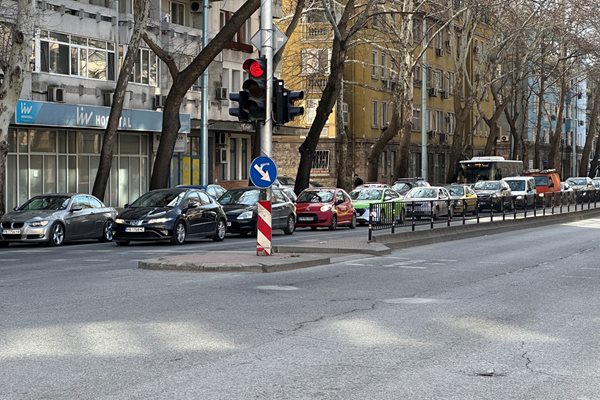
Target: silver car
(55, 218)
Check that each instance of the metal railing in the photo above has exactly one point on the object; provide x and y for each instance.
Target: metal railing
(413, 214)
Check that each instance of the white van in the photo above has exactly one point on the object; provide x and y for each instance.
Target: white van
(523, 190)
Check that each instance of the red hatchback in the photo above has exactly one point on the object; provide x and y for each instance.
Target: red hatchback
(325, 207)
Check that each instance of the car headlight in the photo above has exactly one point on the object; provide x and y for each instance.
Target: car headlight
(119, 221)
(495, 196)
(159, 220)
(519, 197)
(245, 215)
(326, 208)
(541, 195)
(38, 223)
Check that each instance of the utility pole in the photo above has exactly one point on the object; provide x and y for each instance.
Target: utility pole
(266, 50)
(204, 112)
(424, 102)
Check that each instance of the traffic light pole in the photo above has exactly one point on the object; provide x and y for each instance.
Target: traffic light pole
(266, 50)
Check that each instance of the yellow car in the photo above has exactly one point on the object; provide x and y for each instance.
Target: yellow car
(464, 199)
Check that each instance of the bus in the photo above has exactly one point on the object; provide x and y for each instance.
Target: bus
(488, 168)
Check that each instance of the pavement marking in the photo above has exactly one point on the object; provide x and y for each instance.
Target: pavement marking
(58, 259)
(93, 260)
(491, 262)
(580, 277)
(10, 259)
(413, 300)
(274, 287)
(591, 268)
(408, 267)
(356, 264)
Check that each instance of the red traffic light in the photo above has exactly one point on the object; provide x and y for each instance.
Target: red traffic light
(255, 68)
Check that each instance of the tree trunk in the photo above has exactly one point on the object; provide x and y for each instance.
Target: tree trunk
(402, 169)
(591, 134)
(328, 99)
(490, 146)
(142, 8)
(182, 82)
(386, 136)
(538, 123)
(555, 156)
(343, 173)
(14, 75)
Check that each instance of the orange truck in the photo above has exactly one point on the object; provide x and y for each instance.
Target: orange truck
(546, 181)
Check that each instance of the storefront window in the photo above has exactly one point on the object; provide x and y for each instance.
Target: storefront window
(42, 141)
(130, 144)
(88, 143)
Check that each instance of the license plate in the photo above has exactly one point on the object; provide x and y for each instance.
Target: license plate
(136, 229)
(305, 218)
(228, 223)
(11, 232)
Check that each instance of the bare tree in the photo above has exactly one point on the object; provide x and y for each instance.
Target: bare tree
(182, 82)
(141, 12)
(16, 31)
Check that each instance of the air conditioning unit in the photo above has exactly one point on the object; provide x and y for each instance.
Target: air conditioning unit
(222, 156)
(432, 92)
(221, 139)
(108, 98)
(56, 94)
(504, 138)
(439, 52)
(221, 93)
(195, 7)
(158, 101)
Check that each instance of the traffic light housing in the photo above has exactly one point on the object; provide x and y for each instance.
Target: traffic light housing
(256, 88)
(240, 111)
(292, 110)
(284, 109)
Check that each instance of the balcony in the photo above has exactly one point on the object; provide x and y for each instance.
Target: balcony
(317, 31)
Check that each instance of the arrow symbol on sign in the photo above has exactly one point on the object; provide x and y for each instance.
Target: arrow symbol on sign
(264, 175)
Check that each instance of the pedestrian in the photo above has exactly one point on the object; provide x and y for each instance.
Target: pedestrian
(357, 180)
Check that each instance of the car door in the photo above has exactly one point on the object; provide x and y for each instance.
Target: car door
(77, 220)
(278, 209)
(208, 217)
(97, 217)
(342, 208)
(443, 200)
(191, 209)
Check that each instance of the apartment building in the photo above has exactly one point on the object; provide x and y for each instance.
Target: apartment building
(55, 141)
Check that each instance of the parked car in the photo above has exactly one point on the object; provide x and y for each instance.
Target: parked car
(584, 188)
(171, 214)
(567, 193)
(55, 218)
(325, 207)
(494, 195)
(464, 199)
(241, 208)
(289, 192)
(547, 184)
(403, 185)
(212, 189)
(428, 202)
(287, 181)
(523, 190)
(365, 195)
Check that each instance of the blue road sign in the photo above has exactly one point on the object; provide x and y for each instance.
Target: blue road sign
(263, 172)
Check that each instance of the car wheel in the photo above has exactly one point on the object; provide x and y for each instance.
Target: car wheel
(333, 225)
(57, 234)
(353, 221)
(107, 232)
(290, 225)
(122, 242)
(3, 244)
(179, 233)
(220, 231)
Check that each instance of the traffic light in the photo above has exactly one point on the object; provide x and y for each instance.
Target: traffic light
(256, 88)
(241, 111)
(284, 110)
(294, 111)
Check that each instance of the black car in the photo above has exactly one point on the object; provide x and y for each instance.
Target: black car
(241, 208)
(171, 214)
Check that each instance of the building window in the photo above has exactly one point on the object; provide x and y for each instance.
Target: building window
(451, 82)
(383, 66)
(384, 114)
(439, 119)
(145, 70)
(310, 111)
(374, 114)
(315, 61)
(416, 119)
(78, 56)
(241, 40)
(321, 160)
(177, 13)
(450, 123)
(374, 67)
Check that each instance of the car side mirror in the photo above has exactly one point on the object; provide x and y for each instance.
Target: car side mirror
(76, 208)
(193, 205)
(15, 209)
(126, 205)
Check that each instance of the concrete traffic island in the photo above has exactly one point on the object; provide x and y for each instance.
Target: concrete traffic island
(234, 261)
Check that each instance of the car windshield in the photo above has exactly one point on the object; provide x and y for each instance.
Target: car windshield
(577, 181)
(53, 203)
(401, 188)
(456, 191)
(366, 194)
(240, 197)
(313, 196)
(541, 180)
(516, 185)
(422, 193)
(160, 198)
(487, 185)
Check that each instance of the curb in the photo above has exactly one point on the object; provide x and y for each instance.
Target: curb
(274, 265)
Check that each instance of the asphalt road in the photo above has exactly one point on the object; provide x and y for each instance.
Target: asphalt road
(507, 316)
